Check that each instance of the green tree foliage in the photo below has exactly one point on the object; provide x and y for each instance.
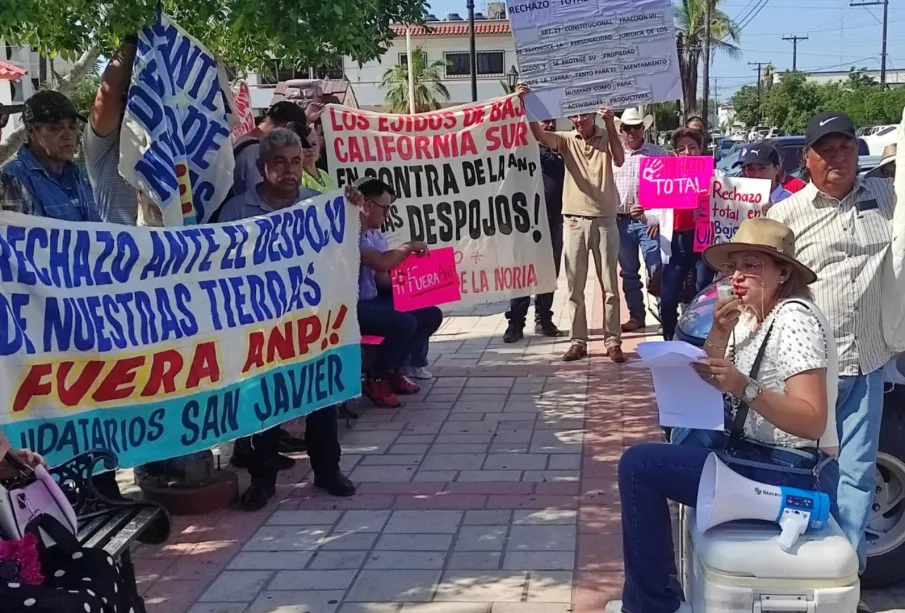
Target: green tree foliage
(430, 92)
(691, 31)
(245, 34)
(791, 102)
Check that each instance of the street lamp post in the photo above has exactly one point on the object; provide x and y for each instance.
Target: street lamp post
(473, 55)
(512, 79)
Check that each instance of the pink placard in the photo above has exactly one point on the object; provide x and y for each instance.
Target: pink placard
(673, 182)
(426, 281)
(370, 339)
(703, 235)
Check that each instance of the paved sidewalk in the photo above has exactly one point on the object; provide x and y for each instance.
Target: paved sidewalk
(492, 491)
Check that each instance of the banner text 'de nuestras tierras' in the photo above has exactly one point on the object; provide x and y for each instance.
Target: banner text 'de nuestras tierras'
(466, 177)
(155, 342)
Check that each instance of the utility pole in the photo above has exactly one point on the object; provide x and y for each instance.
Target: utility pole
(759, 65)
(473, 55)
(708, 16)
(885, 4)
(794, 40)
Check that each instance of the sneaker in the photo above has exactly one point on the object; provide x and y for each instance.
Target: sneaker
(400, 384)
(633, 324)
(336, 484)
(290, 443)
(513, 334)
(546, 328)
(256, 497)
(418, 372)
(378, 391)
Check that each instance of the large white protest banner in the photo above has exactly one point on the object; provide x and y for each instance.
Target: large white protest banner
(175, 141)
(578, 55)
(158, 342)
(467, 177)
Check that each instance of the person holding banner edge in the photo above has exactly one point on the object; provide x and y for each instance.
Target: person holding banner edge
(405, 335)
(589, 221)
(553, 171)
(634, 234)
(280, 165)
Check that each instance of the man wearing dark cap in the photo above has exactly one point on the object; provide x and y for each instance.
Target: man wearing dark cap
(41, 178)
(285, 114)
(761, 161)
(843, 229)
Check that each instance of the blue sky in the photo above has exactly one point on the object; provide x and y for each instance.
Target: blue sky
(840, 36)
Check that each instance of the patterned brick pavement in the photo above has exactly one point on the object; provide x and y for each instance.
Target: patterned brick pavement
(492, 491)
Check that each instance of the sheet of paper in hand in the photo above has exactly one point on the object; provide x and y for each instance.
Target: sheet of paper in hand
(732, 200)
(579, 55)
(684, 400)
(674, 182)
(425, 281)
(467, 177)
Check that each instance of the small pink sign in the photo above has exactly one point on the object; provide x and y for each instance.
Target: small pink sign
(673, 182)
(426, 281)
(370, 339)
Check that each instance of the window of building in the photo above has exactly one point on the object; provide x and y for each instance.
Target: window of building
(490, 64)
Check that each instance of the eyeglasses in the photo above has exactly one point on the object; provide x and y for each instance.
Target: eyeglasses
(628, 128)
(377, 204)
(748, 268)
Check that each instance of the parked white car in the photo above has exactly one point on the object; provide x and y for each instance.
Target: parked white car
(878, 137)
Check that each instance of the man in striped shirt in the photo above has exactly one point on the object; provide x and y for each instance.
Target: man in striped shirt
(634, 234)
(843, 229)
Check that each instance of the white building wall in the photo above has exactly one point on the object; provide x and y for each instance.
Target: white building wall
(365, 79)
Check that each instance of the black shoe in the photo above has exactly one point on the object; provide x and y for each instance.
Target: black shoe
(284, 462)
(256, 497)
(513, 334)
(344, 412)
(290, 443)
(546, 328)
(336, 484)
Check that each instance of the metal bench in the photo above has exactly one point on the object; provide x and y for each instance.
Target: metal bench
(106, 521)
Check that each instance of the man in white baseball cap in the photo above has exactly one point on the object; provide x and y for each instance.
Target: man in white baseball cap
(634, 237)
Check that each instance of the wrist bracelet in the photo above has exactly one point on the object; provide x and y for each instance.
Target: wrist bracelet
(709, 344)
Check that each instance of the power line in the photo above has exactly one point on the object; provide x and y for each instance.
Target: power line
(759, 68)
(794, 40)
(885, 4)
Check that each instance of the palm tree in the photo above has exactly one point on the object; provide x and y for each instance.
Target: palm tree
(429, 88)
(691, 31)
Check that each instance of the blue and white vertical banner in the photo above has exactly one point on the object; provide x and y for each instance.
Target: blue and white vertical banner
(158, 342)
(175, 138)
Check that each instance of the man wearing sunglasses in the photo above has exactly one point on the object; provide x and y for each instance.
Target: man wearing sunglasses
(634, 234)
(405, 335)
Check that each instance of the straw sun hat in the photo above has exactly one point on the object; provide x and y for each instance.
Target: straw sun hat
(764, 236)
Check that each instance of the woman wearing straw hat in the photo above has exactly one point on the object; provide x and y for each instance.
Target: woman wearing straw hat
(768, 353)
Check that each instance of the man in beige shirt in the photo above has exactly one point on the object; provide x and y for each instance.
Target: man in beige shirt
(589, 220)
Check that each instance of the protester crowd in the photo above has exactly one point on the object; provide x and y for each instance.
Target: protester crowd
(805, 277)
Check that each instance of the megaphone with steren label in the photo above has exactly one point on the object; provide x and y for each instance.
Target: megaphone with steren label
(724, 495)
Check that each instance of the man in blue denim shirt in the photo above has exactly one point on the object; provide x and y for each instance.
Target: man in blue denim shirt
(41, 178)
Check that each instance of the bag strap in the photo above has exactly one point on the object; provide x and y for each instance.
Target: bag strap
(741, 413)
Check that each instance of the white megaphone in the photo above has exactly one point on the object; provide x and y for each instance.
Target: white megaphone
(724, 495)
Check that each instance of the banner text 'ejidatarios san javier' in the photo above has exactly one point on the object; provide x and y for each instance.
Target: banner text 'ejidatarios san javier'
(156, 342)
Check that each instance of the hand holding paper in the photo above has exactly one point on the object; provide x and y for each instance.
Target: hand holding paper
(684, 400)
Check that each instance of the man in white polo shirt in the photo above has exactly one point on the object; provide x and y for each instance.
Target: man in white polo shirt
(843, 229)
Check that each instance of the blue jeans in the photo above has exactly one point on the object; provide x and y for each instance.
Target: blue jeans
(652, 474)
(682, 261)
(632, 239)
(405, 335)
(859, 411)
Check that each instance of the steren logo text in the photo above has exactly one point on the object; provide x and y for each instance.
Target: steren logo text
(761, 492)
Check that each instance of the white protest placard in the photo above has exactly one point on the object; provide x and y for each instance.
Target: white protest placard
(578, 55)
(175, 138)
(732, 200)
(467, 177)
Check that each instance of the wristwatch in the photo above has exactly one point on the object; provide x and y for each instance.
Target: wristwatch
(752, 391)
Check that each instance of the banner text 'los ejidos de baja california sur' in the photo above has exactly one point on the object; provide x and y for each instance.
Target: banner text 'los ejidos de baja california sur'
(155, 342)
(467, 177)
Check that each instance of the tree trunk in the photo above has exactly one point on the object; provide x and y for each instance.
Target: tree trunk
(690, 83)
(67, 85)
